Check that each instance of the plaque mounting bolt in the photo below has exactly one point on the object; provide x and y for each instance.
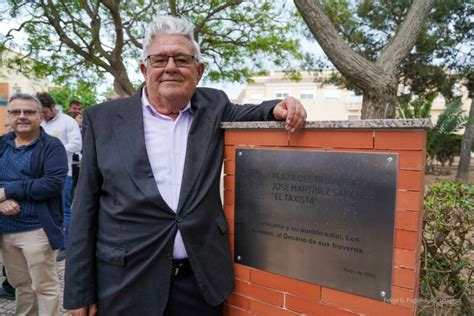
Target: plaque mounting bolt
(239, 258)
(240, 153)
(389, 159)
(382, 293)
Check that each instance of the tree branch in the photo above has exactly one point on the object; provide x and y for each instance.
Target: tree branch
(404, 40)
(117, 19)
(52, 17)
(173, 9)
(203, 22)
(345, 59)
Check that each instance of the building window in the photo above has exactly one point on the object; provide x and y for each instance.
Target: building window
(353, 117)
(282, 94)
(307, 95)
(332, 93)
(353, 94)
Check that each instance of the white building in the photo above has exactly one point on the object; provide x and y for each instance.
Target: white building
(321, 101)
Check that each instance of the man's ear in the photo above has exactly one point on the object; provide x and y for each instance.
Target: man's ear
(201, 68)
(143, 70)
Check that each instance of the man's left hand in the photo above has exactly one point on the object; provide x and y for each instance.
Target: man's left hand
(292, 112)
(9, 207)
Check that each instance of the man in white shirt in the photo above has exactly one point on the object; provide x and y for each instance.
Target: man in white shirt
(67, 130)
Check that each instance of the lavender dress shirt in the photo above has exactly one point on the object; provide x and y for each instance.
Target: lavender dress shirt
(166, 142)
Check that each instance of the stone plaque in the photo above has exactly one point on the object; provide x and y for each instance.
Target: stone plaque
(321, 217)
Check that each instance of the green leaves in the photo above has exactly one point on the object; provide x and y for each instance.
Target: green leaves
(83, 91)
(73, 39)
(443, 51)
(446, 267)
(417, 108)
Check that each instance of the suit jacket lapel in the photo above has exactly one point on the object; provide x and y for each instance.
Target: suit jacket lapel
(130, 139)
(199, 138)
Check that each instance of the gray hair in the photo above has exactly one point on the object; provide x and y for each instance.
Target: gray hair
(162, 24)
(26, 96)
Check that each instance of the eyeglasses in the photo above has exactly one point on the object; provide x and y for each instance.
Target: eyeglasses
(17, 113)
(160, 61)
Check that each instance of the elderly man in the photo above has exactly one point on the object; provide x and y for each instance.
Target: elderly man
(33, 168)
(148, 232)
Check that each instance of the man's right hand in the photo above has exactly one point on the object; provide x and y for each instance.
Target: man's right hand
(9, 207)
(84, 311)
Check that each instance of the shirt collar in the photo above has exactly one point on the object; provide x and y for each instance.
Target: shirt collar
(147, 105)
(10, 140)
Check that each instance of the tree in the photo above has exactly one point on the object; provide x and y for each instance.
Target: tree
(441, 143)
(440, 60)
(417, 108)
(377, 74)
(440, 138)
(441, 57)
(84, 92)
(87, 39)
(462, 174)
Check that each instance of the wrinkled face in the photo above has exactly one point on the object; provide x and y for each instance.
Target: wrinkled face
(49, 113)
(75, 108)
(24, 116)
(170, 82)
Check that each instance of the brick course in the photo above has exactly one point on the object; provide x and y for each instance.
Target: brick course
(263, 293)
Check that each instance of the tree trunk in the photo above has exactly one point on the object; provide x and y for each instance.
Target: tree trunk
(123, 88)
(380, 97)
(462, 174)
(378, 80)
(379, 105)
(122, 84)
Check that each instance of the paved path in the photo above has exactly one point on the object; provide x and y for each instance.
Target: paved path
(7, 307)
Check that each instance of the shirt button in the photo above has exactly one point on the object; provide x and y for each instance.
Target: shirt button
(178, 219)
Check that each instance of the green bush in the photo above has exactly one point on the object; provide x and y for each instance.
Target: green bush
(448, 149)
(446, 259)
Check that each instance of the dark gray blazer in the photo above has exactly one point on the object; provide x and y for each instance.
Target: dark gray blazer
(122, 232)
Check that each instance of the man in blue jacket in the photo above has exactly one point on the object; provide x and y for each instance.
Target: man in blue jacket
(33, 168)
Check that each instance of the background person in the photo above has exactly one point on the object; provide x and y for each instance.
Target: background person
(76, 158)
(33, 168)
(74, 107)
(67, 130)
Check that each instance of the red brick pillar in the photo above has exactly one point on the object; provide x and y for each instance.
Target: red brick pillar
(262, 293)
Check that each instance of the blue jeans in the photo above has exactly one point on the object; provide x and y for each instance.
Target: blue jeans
(67, 205)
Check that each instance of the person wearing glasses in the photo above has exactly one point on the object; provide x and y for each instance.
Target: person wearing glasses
(67, 130)
(148, 233)
(33, 169)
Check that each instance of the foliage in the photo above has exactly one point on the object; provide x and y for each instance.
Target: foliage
(418, 108)
(443, 51)
(83, 91)
(446, 266)
(440, 136)
(73, 39)
(442, 143)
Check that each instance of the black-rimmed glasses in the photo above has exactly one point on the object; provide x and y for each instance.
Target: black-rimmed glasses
(160, 61)
(17, 113)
